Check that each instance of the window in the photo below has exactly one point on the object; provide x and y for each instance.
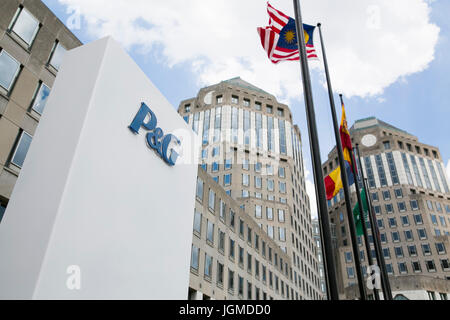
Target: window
(425, 173)
(210, 232)
(398, 193)
(227, 179)
(280, 112)
(401, 206)
(219, 99)
(249, 235)
(386, 253)
(350, 273)
(57, 55)
(199, 193)
(389, 208)
(386, 195)
(282, 131)
(235, 99)
(258, 182)
(21, 149)
(402, 268)
(258, 211)
(281, 172)
(282, 234)
(386, 145)
(249, 263)
(440, 247)
(374, 196)
(426, 249)
(381, 172)
(241, 227)
(430, 265)
(405, 221)
(412, 250)
(281, 216)
(194, 257)
(422, 234)
(245, 179)
(9, 69)
(231, 249)
(25, 25)
(228, 164)
(246, 103)
(269, 213)
(270, 231)
(348, 257)
(249, 290)
(206, 124)
(232, 218)
(414, 205)
(221, 241)
(230, 280)
(208, 265)
(211, 200)
(418, 219)
(270, 185)
(392, 168)
(269, 109)
(445, 265)
(395, 236)
(187, 108)
(392, 222)
(197, 221)
(241, 255)
(220, 274)
(282, 186)
(409, 235)
(407, 169)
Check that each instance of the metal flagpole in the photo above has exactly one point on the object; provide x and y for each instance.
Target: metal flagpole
(324, 220)
(387, 293)
(348, 204)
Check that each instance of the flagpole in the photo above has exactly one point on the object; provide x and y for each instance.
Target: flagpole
(387, 293)
(362, 215)
(324, 219)
(348, 204)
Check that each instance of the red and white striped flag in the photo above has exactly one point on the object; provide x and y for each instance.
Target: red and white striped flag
(279, 39)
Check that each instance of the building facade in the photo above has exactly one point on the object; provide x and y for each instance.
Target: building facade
(32, 43)
(409, 192)
(252, 152)
(318, 243)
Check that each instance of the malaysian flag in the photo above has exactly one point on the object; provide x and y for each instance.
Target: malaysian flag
(279, 38)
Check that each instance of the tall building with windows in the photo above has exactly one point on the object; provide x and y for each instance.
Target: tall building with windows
(32, 43)
(318, 243)
(251, 157)
(409, 192)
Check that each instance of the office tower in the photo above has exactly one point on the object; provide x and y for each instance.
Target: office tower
(409, 192)
(32, 43)
(251, 152)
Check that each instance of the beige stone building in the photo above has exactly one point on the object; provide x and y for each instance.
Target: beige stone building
(32, 42)
(252, 152)
(410, 195)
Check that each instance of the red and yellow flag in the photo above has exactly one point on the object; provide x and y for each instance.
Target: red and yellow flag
(333, 182)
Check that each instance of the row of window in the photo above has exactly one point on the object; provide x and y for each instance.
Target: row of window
(266, 276)
(246, 103)
(245, 131)
(403, 268)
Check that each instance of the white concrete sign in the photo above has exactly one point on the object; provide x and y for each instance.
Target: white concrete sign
(103, 207)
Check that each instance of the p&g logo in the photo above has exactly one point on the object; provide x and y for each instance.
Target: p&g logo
(162, 144)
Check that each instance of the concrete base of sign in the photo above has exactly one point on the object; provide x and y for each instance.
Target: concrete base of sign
(95, 213)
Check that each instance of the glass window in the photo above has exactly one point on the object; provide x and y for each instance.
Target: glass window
(416, 170)
(194, 257)
(25, 25)
(219, 99)
(245, 179)
(231, 249)
(269, 213)
(21, 149)
(407, 169)
(392, 168)
(401, 206)
(282, 130)
(381, 172)
(281, 216)
(398, 193)
(425, 173)
(258, 182)
(227, 179)
(206, 124)
(211, 200)
(414, 205)
(9, 69)
(210, 232)
(197, 221)
(270, 231)
(230, 280)
(57, 55)
(199, 189)
(437, 186)
(258, 211)
(208, 265)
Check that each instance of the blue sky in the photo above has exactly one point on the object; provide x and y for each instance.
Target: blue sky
(403, 79)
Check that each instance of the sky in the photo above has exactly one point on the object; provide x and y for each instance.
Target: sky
(388, 58)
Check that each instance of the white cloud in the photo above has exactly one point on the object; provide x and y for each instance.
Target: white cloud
(369, 46)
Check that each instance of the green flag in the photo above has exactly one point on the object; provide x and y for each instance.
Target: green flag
(356, 214)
